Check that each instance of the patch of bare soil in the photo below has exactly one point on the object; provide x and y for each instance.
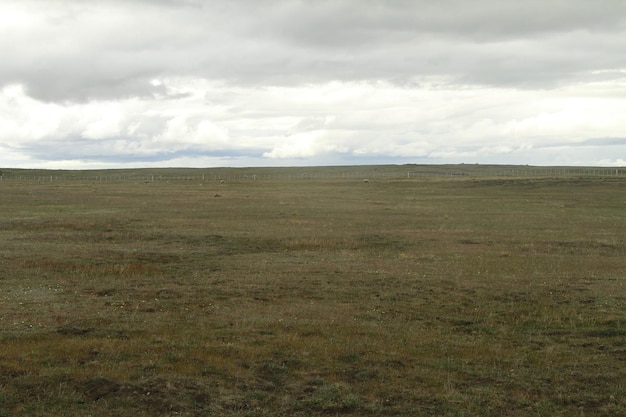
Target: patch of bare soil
(158, 395)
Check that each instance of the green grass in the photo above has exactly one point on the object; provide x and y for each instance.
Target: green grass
(402, 297)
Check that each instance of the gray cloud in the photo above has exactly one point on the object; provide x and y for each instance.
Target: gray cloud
(86, 50)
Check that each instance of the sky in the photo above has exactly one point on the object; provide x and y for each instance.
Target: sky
(216, 83)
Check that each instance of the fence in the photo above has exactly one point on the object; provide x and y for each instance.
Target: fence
(333, 173)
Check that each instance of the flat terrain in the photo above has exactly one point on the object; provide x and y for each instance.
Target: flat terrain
(313, 297)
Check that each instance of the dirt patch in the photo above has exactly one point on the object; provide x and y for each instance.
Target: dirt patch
(80, 328)
(100, 387)
(159, 395)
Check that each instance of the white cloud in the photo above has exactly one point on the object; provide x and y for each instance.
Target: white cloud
(616, 162)
(307, 144)
(104, 122)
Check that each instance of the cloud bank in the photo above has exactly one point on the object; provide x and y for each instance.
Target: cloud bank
(284, 82)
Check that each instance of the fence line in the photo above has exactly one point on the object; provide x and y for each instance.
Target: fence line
(430, 172)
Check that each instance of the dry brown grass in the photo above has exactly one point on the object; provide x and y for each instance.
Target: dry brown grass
(310, 298)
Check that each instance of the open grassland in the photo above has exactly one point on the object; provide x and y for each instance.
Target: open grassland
(401, 297)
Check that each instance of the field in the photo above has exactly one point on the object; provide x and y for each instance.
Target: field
(459, 296)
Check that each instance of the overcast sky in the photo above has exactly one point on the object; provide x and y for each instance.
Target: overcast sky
(200, 83)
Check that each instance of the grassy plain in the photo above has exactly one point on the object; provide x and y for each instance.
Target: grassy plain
(314, 297)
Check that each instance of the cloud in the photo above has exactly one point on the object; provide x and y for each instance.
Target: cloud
(284, 81)
(112, 49)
